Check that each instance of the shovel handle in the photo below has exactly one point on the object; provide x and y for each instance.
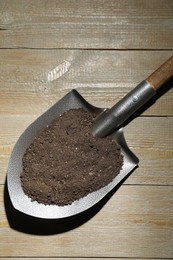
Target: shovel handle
(161, 75)
(111, 119)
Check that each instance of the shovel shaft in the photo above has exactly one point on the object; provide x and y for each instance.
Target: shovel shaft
(111, 119)
(161, 75)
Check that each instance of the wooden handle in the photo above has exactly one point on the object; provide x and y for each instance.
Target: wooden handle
(161, 75)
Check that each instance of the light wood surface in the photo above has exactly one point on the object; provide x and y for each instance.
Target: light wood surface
(32, 80)
(125, 226)
(103, 49)
(98, 24)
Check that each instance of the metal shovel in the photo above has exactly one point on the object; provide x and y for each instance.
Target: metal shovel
(108, 121)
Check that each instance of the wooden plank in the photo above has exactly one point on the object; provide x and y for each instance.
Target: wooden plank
(134, 219)
(152, 142)
(153, 146)
(32, 80)
(79, 258)
(96, 24)
(69, 258)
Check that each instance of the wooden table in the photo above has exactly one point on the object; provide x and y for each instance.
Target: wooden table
(103, 49)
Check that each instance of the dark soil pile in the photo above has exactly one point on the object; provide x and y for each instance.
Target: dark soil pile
(65, 162)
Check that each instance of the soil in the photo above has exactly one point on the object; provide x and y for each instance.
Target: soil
(65, 162)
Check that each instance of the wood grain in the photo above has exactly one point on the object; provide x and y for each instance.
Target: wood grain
(154, 147)
(134, 218)
(162, 74)
(94, 24)
(79, 258)
(32, 80)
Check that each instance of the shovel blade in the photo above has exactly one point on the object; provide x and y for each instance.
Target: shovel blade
(23, 203)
